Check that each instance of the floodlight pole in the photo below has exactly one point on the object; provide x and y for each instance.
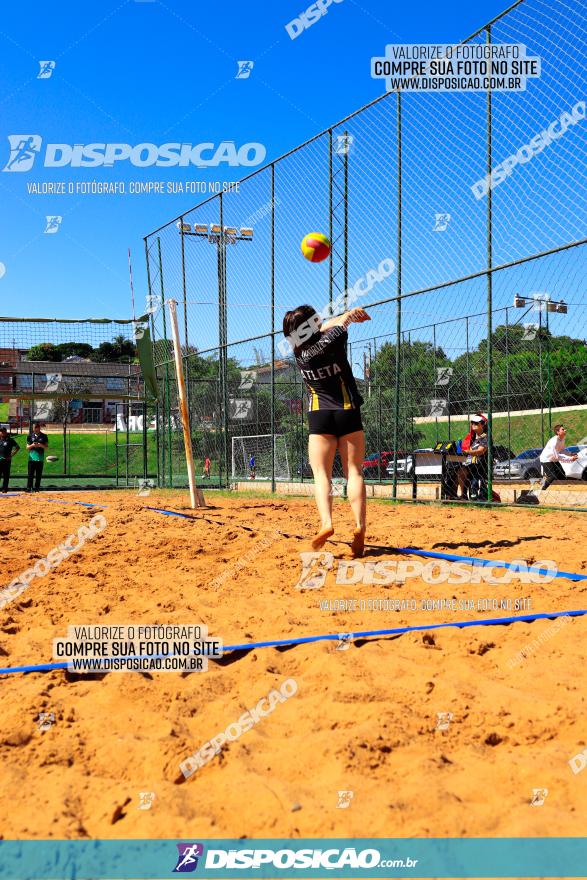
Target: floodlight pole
(489, 289)
(183, 407)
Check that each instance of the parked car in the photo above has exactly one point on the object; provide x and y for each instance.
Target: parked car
(576, 470)
(378, 463)
(502, 453)
(521, 467)
(405, 464)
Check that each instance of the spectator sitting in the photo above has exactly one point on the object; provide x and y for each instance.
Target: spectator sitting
(472, 476)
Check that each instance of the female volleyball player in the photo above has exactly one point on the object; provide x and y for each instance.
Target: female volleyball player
(334, 412)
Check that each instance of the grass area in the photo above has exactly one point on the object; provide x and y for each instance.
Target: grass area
(525, 432)
(91, 454)
(3, 412)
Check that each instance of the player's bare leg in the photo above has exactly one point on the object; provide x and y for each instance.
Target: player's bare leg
(321, 451)
(352, 453)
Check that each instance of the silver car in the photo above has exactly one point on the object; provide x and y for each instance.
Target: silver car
(522, 467)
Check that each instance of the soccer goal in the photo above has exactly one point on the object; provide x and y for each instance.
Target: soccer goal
(258, 447)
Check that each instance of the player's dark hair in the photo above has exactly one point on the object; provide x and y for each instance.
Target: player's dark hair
(294, 319)
(557, 428)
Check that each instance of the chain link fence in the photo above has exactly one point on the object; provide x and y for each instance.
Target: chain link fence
(82, 381)
(458, 220)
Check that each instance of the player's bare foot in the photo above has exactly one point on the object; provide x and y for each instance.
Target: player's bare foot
(358, 543)
(319, 540)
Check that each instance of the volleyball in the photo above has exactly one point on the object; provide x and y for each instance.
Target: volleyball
(315, 247)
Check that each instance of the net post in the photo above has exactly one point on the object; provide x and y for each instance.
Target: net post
(187, 439)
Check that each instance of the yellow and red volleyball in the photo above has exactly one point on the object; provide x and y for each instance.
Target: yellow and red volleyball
(315, 247)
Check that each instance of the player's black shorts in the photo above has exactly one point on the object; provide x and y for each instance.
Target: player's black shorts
(337, 422)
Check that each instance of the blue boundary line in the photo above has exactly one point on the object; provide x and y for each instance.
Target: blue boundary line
(495, 563)
(305, 640)
(471, 560)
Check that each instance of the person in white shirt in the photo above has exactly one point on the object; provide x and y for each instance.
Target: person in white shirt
(552, 455)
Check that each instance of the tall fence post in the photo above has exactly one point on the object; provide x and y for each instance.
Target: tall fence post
(185, 316)
(152, 323)
(398, 326)
(330, 222)
(223, 339)
(489, 291)
(273, 328)
(167, 391)
(346, 220)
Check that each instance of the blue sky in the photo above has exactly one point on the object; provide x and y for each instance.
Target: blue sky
(135, 72)
(165, 72)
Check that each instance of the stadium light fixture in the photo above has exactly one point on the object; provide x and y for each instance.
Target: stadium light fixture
(183, 227)
(230, 230)
(519, 301)
(201, 228)
(216, 229)
(246, 233)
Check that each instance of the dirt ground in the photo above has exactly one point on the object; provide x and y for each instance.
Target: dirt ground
(364, 718)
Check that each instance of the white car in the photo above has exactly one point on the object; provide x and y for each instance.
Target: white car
(576, 470)
(405, 465)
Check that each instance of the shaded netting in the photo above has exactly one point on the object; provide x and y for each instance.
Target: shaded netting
(458, 220)
(82, 381)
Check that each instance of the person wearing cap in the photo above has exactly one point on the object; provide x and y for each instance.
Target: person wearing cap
(36, 443)
(8, 449)
(551, 457)
(473, 473)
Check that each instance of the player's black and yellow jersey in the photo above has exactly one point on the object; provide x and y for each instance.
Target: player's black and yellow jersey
(327, 373)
